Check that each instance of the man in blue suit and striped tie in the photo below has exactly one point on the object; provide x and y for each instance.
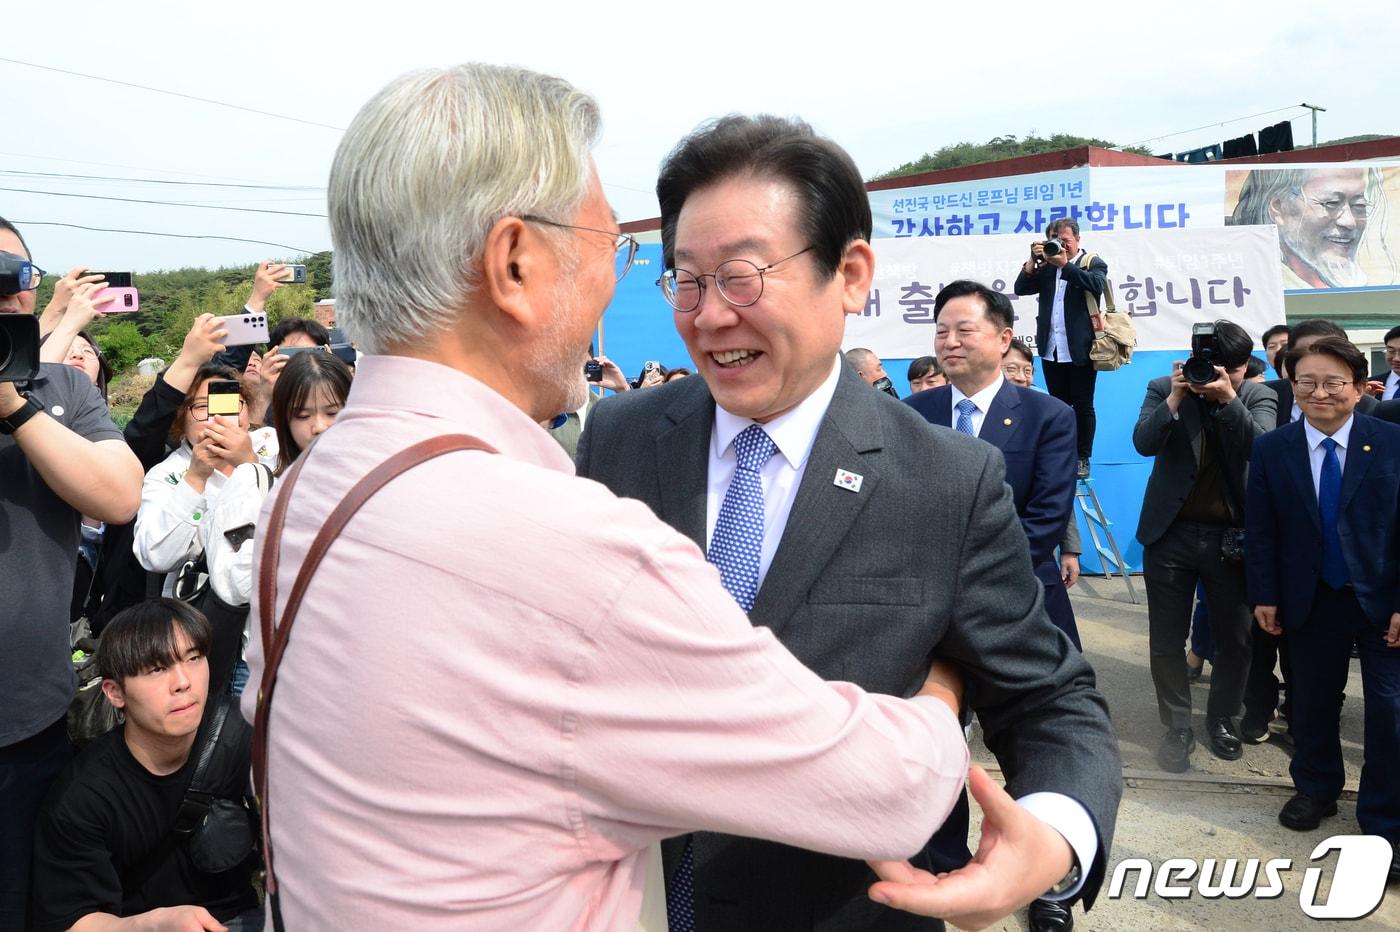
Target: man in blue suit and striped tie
(1329, 486)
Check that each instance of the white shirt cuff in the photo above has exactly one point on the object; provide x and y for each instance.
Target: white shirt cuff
(1068, 817)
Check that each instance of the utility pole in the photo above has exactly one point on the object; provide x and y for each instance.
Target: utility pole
(1314, 108)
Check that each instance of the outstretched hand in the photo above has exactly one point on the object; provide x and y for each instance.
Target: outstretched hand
(1017, 860)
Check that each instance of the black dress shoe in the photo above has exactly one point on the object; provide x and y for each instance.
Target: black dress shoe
(1047, 916)
(1303, 813)
(1224, 743)
(1081, 470)
(1174, 753)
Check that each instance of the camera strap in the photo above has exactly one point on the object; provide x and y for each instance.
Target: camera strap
(275, 635)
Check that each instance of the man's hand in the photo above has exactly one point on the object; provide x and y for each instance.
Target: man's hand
(1374, 388)
(265, 282)
(10, 399)
(1180, 387)
(229, 442)
(1392, 634)
(1069, 569)
(1221, 391)
(1267, 616)
(1017, 860)
(944, 682)
(612, 375)
(1059, 260)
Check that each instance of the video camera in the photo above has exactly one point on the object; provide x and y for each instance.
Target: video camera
(1200, 368)
(19, 333)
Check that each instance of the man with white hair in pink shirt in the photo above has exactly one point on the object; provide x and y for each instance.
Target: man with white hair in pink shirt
(506, 684)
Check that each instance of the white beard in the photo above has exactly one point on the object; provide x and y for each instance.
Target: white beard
(1336, 271)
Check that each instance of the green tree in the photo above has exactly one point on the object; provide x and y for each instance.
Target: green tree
(995, 149)
(123, 345)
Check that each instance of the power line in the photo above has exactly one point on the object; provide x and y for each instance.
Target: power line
(138, 168)
(231, 239)
(1183, 132)
(137, 200)
(157, 90)
(193, 184)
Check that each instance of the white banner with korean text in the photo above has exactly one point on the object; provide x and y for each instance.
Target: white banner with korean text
(1167, 280)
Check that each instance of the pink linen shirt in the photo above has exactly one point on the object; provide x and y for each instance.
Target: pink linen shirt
(505, 683)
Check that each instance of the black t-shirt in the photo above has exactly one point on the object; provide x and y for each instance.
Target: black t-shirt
(103, 842)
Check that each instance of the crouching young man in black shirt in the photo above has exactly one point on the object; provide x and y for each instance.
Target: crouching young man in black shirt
(113, 849)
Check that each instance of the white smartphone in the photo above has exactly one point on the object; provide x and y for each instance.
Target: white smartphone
(244, 329)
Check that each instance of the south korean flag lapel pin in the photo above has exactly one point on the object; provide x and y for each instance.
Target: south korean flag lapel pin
(848, 480)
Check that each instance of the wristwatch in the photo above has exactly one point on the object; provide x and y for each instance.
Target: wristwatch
(1067, 883)
(31, 407)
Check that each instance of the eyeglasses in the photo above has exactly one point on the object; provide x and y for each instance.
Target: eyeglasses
(1335, 205)
(1305, 387)
(1392, 353)
(36, 275)
(740, 282)
(625, 244)
(199, 410)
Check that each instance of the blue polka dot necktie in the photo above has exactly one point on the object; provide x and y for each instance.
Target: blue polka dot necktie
(735, 548)
(965, 409)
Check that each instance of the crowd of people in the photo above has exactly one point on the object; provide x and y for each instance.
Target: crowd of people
(703, 685)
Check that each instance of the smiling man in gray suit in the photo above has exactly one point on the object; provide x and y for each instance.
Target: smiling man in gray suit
(868, 541)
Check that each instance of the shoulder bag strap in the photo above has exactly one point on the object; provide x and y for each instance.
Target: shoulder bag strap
(199, 795)
(274, 637)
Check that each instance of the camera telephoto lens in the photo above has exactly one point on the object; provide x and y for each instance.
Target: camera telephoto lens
(1198, 371)
(1053, 247)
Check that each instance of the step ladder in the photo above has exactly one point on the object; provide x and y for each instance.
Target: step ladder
(1109, 556)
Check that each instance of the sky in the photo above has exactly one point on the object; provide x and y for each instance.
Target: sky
(888, 81)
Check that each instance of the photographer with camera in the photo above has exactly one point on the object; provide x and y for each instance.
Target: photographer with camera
(1199, 424)
(60, 457)
(1066, 278)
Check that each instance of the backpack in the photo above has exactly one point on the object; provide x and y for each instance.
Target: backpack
(1113, 344)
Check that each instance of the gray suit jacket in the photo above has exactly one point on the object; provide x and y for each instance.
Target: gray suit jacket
(1175, 445)
(928, 558)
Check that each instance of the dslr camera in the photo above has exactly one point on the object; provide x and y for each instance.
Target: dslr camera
(19, 333)
(1200, 368)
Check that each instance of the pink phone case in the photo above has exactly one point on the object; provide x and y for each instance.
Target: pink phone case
(124, 300)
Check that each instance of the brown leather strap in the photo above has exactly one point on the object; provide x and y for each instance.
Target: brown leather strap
(275, 637)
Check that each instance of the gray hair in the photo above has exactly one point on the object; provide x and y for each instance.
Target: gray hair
(860, 357)
(425, 170)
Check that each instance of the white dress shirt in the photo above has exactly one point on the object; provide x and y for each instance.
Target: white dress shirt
(1059, 336)
(794, 434)
(983, 401)
(1316, 454)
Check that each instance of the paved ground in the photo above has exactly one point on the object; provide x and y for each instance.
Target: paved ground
(1217, 809)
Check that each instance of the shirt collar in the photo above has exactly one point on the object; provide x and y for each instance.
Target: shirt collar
(983, 399)
(793, 433)
(402, 385)
(1315, 436)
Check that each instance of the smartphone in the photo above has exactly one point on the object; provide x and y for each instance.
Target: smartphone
(123, 300)
(294, 274)
(223, 399)
(593, 371)
(114, 279)
(244, 329)
(293, 350)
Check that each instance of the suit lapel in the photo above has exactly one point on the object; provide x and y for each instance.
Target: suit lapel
(822, 513)
(683, 462)
(1299, 466)
(1359, 458)
(1002, 420)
